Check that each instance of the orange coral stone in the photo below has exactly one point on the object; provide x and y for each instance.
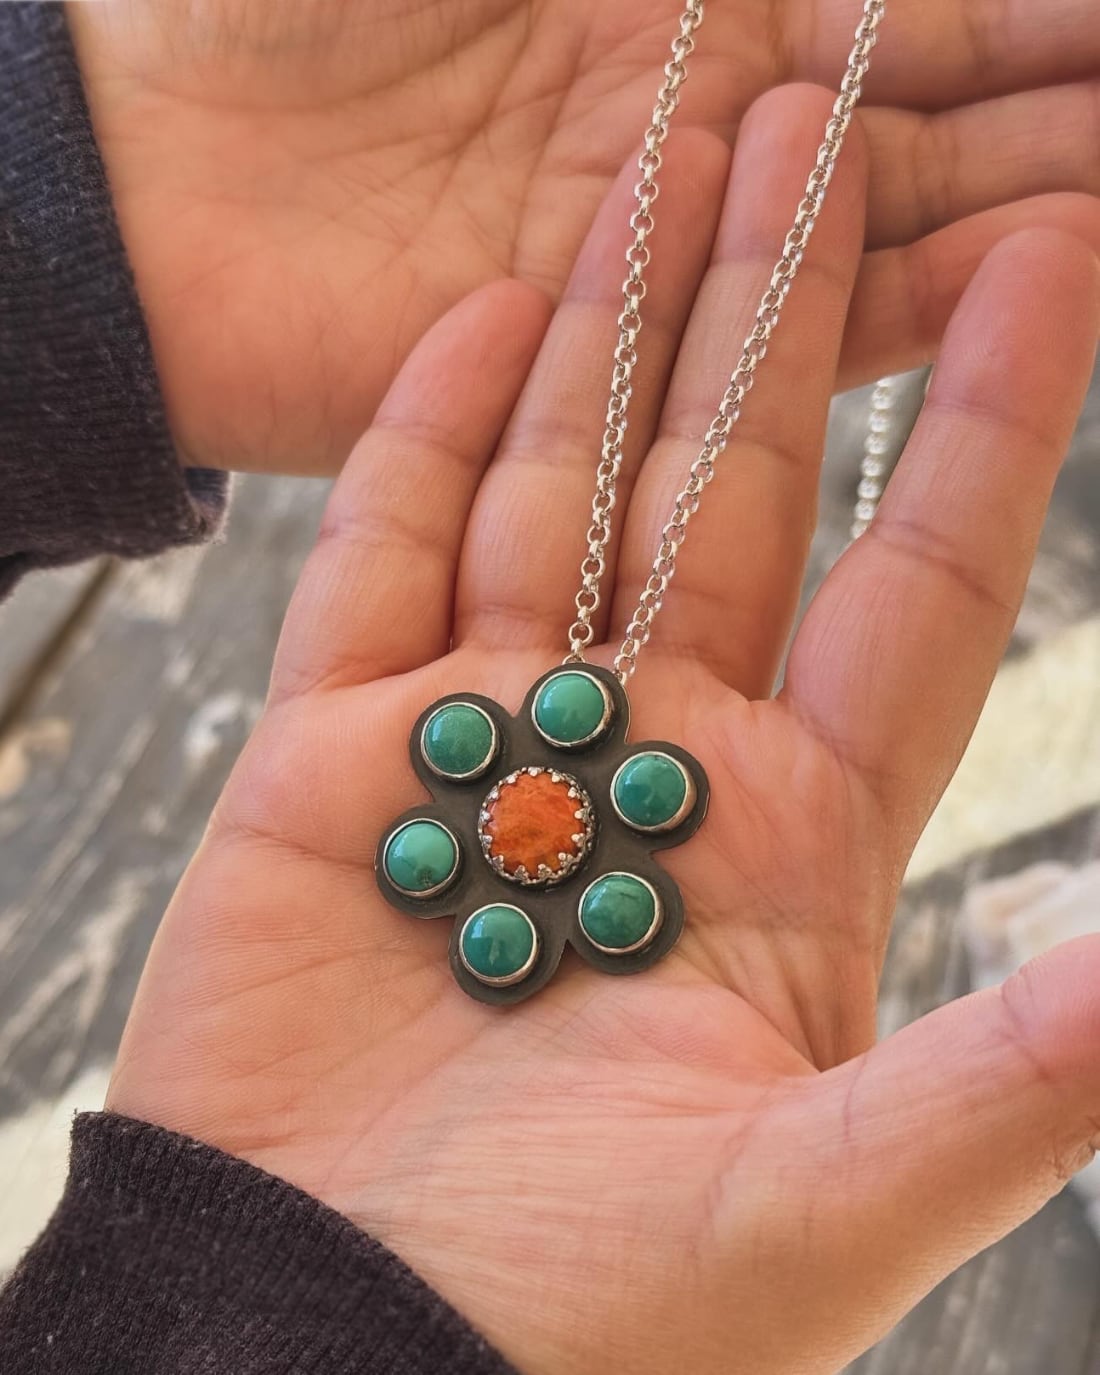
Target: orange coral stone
(532, 822)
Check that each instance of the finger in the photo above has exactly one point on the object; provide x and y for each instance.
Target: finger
(928, 170)
(904, 297)
(521, 560)
(739, 572)
(956, 1129)
(939, 54)
(376, 595)
(894, 660)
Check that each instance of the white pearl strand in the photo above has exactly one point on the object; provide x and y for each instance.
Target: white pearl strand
(873, 468)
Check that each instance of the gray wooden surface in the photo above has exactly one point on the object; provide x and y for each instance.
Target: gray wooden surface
(125, 694)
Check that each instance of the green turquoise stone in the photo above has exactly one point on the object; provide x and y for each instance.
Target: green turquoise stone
(420, 857)
(498, 943)
(618, 912)
(459, 740)
(570, 708)
(649, 790)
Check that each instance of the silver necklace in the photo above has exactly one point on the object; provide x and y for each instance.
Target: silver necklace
(755, 347)
(542, 827)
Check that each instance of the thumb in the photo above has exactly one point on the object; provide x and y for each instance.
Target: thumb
(955, 1130)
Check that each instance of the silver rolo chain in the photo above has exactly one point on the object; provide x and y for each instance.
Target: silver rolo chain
(756, 344)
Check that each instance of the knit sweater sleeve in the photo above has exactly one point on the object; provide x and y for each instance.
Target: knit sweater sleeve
(166, 1256)
(87, 464)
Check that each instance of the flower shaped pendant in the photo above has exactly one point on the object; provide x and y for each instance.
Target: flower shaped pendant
(541, 833)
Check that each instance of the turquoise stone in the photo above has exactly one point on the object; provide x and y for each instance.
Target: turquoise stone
(650, 791)
(570, 708)
(421, 857)
(459, 741)
(498, 944)
(619, 912)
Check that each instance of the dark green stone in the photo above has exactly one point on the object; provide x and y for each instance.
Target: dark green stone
(617, 912)
(498, 943)
(458, 740)
(650, 790)
(420, 856)
(570, 707)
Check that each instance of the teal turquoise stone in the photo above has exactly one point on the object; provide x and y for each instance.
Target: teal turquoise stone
(619, 912)
(570, 707)
(421, 856)
(498, 943)
(458, 740)
(649, 790)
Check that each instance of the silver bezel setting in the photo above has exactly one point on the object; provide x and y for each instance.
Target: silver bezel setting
(422, 893)
(506, 980)
(683, 810)
(593, 735)
(654, 926)
(582, 837)
(494, 746)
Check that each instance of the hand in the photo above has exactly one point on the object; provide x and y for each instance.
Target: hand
(706, 1166)
(304, 186)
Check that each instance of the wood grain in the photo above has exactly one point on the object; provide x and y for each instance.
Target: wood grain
(35, 624)
(124, 745)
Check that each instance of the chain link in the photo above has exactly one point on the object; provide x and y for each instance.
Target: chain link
(630, 324)
(756, 344)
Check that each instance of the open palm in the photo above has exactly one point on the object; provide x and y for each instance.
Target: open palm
(704, 1167)
(305, 185)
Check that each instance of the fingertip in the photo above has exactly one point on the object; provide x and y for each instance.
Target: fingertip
(513, 294)
(1053, 1006)
(702, 155)
(905, 297)
(474, 358)
(775, 108)
(1021, 344)
(503, 311)
(776, 148)
(694, 171)
(789, 118)
(1064, 263)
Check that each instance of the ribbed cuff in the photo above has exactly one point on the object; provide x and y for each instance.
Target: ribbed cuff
(166, 1255)
(87, 464)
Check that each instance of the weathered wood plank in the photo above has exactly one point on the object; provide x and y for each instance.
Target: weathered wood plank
(127, 742)
(152, 700)
(32, 621)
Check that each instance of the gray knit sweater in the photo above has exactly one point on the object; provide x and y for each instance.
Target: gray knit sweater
(87, 459)
(165, 1256)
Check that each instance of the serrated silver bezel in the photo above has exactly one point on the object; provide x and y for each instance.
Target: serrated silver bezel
(583, 837)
